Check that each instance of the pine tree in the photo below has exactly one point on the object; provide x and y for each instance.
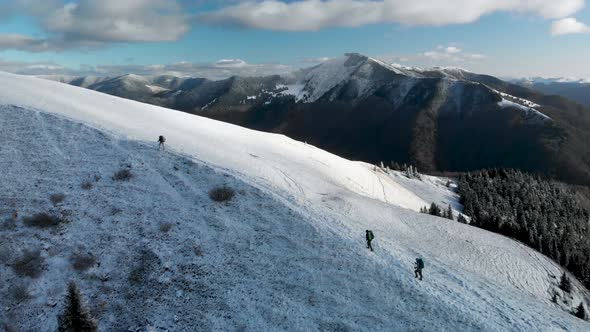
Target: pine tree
(565, 284)
(435, 210)
(75, 318)
(580, 311)
(449, 214)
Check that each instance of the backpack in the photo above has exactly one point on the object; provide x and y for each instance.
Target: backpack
(420, 263)
(370, 236)
(161, 139)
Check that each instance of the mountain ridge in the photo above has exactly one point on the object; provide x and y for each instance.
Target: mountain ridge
(437, 119)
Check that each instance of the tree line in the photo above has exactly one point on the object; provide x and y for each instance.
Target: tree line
(544, 214)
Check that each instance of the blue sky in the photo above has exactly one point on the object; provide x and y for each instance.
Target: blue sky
(516, 38)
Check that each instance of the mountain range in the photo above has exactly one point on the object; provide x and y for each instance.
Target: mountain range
(574, 89)
(439, 119)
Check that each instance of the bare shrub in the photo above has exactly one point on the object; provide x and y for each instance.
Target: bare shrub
(221, 194)
(123, 175)
(20, 292)
(8, 224)
(198, 251)
(44, 220)
(57, 198)
(165, 227)
(146, 263)
(5, 252)
(7, 327)
(82, 261)
(29, 264)
(87, 185)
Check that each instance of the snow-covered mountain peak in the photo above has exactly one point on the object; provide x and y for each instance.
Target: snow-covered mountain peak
(317, 81)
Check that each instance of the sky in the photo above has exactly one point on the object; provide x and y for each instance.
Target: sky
(217, 39)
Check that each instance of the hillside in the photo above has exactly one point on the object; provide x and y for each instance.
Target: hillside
(287, 253)
(438, 119)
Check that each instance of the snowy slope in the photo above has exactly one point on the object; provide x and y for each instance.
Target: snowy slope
(286, 254)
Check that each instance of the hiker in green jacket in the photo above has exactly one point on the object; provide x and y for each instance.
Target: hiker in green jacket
(161, 141)
(418, 267)
(370, 238)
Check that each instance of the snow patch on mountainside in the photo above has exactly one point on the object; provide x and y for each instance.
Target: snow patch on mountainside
(527, 110)
(296, 90)
(155, 88)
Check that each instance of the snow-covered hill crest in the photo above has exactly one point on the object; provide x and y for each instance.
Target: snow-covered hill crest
(287, 253)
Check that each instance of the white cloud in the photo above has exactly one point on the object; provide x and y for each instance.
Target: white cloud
(90, 23)
(311, 15)
(441, 55)
(450, 53)
(230, 63)
(315, 60)
(220, 69)
(32, 68)
(568, 25)
(116, 20)
(453, 50)
(23, 42)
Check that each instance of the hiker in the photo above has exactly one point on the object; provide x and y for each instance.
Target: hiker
(370, 238)
(161, 140)
(418, 268)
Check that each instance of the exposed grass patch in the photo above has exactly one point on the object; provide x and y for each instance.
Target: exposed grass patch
(123, 175)
(198, 251)
(44, 220)
(29, 264)
(5, 252)
(82, 261)
(20, 292)
(8, 225)
(57, 198)
(221, 194)
(165, 227)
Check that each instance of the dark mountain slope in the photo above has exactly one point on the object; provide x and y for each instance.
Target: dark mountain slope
(442, 119)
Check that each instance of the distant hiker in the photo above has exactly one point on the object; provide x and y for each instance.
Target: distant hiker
(161, 141)
(370, 238)
(418, 268)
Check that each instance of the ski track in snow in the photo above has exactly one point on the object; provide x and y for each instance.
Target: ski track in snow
(287, 254)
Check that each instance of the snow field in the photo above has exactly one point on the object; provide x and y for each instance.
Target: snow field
(287, 254)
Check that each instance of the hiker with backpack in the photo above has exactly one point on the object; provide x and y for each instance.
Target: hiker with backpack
(419, 265)
(370, 238)
(161, 141)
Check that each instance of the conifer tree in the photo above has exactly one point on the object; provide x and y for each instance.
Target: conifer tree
(75, 318)
(565, 284)
(435, 210)
(546, 215)
(449, 214)
(580, 311)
